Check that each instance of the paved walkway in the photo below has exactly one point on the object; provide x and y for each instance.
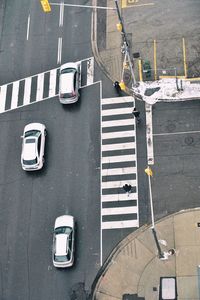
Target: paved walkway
(135, 269)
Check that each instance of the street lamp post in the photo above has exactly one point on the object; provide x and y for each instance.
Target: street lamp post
(125, 42)
(161, 255)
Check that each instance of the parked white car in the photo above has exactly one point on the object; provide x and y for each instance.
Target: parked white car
(69, 82)
(63, 242)
(33, 145)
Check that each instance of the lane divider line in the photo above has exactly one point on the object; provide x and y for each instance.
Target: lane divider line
(28, 27)
(59, 50)
(184, 58)
(61, 14)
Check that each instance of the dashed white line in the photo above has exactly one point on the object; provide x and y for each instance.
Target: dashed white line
(28, 27)
(59, 50)
(61, 14)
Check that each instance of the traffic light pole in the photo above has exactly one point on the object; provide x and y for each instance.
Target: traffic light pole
(125, 43)
(160, 253)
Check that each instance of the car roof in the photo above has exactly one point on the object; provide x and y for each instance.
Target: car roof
(29, 151)
(61, 244)
(67, 82)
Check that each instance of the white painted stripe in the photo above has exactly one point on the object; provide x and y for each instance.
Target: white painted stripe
(121, 146)
(52, 83)
(118, 134)
(61, 14)
(59, 50)
(40, 87)
(120, 224)
(117, 111)
(28, 28)
(119, 210)
(118, 122)
(117, 100)
(121, 158)
(27, 91)
(118, 171)
(117, 184)
(90, 71)
(3, 91)
(119, 197)
(174, 133)
(15, 94)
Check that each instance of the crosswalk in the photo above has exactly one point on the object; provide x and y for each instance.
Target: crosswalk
(39, 87)
(118, 164)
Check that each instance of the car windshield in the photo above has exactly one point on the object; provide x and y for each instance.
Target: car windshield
(63, 229)
(32, 133)
(62, 258)
(30, 162)
(68, 70)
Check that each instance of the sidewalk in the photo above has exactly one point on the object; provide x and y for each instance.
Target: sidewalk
(106, 45)
(135, 269)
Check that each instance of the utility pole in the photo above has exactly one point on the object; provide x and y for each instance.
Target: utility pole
(161, 254)
(125, 42)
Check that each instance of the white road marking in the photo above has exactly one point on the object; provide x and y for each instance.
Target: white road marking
(90, 71)
(118, 171)
(119, 210)
(119, 197)
(121, 146)
(117, 134)
(40, 87)
(117, 111)
(27, 91)
(3, 92)
(52, 83)
(118, 122)
(117, 100)
(61, 14)
(120, 224)
(117, 184)
(59, 50)
(28, 27)
(121, 158)
(15, 94)
(174, 133)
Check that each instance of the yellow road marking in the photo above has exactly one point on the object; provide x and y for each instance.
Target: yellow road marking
(173, 76)
(155, 59)
(184, 58)
(132, 3)
(140, 69)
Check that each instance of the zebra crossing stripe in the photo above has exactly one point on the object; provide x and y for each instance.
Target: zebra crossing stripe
(116, 100)
(118, 171)
(3, 92)
(117, 111)
(119, 146)
(117, 184)
(27, 91)
(52, 84)
(118, 197)
(40, 87)
(109, 159)
(120, 224)
(119, 210)
(15, 93)
(118, 134)
(118, 123)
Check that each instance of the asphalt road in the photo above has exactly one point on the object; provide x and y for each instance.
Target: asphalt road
(69, 182)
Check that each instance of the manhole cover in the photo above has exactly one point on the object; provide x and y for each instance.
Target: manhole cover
(171, 127)
(189, 140)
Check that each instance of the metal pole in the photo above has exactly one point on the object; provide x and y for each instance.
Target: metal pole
(160, 253)
(126, 45)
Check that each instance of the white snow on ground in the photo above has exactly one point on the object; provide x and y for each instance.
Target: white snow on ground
(168, 90)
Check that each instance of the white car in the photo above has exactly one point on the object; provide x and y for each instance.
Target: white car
(69, 82)
(63, 242)
(33, 144)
